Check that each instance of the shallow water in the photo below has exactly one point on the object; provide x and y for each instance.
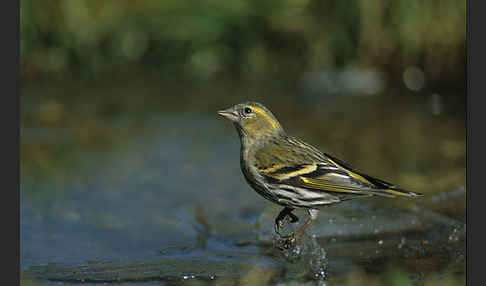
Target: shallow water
(133, 195)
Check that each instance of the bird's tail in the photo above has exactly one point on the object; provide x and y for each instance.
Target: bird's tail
(393, 192)
(389, 190)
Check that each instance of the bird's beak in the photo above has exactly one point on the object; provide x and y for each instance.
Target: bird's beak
(230, 114)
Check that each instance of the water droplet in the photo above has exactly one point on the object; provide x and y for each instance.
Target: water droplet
(380, 242)
(402, 243)
(454, 236)
(321, 273)
(414, 78)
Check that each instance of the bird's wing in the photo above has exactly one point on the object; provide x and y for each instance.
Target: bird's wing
(319, 176)
(298, 164)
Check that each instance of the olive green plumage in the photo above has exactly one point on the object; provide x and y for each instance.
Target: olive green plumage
(292, 173)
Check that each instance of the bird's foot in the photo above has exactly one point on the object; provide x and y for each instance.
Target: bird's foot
(279, 224)
(286, 241)
(280, 220)
(293, 218)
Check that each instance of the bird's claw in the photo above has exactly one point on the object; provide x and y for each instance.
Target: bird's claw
(280, 220)
(286, 242)
(278, 225)
(293, 218)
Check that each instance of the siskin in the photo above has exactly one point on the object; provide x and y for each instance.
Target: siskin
(294, 174)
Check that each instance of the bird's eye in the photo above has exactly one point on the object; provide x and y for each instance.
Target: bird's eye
(248, 110)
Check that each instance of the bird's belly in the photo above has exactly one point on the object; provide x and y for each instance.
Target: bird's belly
(261, 189)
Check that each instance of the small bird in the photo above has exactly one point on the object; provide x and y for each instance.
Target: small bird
(294, 174)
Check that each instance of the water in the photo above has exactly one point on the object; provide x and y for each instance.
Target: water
(142, 194)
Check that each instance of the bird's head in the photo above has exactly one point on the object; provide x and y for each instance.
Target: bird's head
(252, 120)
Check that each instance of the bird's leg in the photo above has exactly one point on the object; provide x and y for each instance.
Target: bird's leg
(281, 216)
(293, 218)
(301, 229)
(290, 238)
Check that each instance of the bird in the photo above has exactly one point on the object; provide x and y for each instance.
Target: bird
(294, 174)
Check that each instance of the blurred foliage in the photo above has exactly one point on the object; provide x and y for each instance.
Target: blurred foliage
(249, 39)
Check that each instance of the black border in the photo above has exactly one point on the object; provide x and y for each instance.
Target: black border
(10, 26)
(469, 159)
